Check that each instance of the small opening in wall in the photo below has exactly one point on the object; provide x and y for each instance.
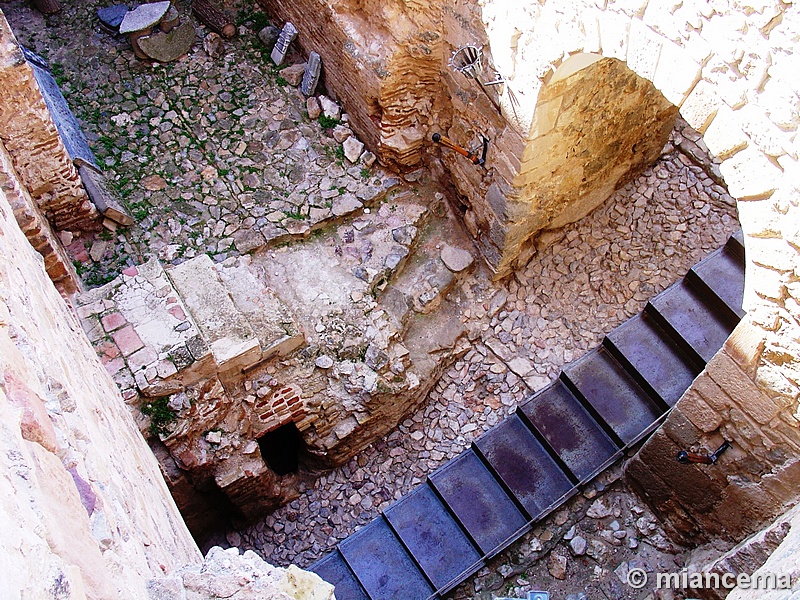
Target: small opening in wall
(280, 449)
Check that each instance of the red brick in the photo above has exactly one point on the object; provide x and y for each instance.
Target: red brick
(113, 366)
(108, 350)
(128, 340)
(113, 321)
(177, 312)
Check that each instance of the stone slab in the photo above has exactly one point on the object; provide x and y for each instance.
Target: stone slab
(311, 75)
(111, 17)
(68, 127)
(167, 47)
(271, 319)
(104, 198)
(287, 35)
(230, 337)
(144, 17)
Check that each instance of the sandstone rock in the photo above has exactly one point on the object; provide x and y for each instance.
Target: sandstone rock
(293, 74)
(330, 108)
(598, 510)
(154, 183)
(456, 259)
(341, 133)
(214, 45)
(352, 149)
(313, 107)
(166, 47)
(557, 565)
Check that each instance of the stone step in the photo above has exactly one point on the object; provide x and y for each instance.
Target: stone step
(524, 466)
(652, 357)
(481, 505)
(720, 278)
(335, 570)
(230, 337)
(430, 272)
(612, 395)
(270, 318)
(691, 321)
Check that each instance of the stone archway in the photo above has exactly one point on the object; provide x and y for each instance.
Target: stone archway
(595, 126)
(724, 68)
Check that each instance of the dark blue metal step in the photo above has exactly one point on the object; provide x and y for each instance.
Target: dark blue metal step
(735, 244)
(721, 277)
(479, 502)
(693, 323)
(570, 430)
(611, 394)
(433, 537)
(652, 358)
(524, 466)
(382, 565)
(333, 569)
(563, 436)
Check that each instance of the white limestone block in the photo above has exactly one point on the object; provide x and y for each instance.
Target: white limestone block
(724, 136)
(749, 174)
(676, 73)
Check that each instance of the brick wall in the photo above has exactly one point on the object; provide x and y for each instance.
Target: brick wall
(30, 136)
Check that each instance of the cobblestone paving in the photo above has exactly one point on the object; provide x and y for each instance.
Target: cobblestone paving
(214, 155)
(207, 151)
(594, 275)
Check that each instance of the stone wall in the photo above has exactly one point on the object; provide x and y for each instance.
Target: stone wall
(753, 481)
(30, 136)
(729, 69)
(83, 506)
(37, 228)
(84, 510)
(381, 60)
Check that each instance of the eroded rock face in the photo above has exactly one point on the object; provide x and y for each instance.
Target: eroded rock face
(226, 573)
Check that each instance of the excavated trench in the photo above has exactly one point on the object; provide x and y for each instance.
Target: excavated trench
(584, 280)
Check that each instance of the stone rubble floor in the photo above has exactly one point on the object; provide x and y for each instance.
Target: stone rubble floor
(207, 151)
(595, 274)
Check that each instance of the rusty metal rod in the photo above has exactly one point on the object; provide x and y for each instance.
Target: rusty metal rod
(702, 459)
(448, 143)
